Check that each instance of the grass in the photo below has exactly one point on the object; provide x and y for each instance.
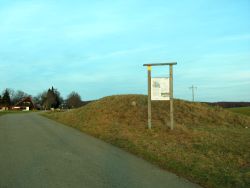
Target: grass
(209, 145)
(11, 112)
(241, 110)
(5, 112)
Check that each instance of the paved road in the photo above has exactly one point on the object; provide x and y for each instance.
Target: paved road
(37, 152)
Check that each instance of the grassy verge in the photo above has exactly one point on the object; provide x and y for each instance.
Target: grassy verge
(241, 110)
(5, 112)
(12, 112)
(209, 145)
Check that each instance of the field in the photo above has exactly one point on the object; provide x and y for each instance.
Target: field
(209, 145)
(241, 110)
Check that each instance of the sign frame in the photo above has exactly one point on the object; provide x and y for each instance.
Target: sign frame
(149, 67)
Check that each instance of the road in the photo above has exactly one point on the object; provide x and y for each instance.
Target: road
(36, 152)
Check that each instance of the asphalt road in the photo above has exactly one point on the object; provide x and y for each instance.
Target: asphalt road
(37, 152)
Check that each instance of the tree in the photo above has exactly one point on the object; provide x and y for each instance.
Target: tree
(11, 93)
(38, 100)
(58, 98)
(17, 96)
(6, 98)
(73, 100)
(52, 99)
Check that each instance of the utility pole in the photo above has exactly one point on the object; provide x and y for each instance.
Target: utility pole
(193, 88)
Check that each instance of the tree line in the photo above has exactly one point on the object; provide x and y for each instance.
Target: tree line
(47, 99)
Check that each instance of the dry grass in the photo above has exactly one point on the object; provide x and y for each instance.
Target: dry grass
(209, 145)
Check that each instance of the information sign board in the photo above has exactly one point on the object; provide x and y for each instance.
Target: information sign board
(160, 89)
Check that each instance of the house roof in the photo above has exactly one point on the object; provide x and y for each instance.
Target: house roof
(25, 99)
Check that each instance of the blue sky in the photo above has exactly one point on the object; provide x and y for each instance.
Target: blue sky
(97, 48)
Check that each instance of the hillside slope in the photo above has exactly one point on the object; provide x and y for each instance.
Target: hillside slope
(209, 145)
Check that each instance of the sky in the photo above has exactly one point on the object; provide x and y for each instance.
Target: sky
(97, 48)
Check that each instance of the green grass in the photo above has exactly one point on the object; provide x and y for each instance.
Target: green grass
(11, 112)
(209, 145)
(5, 112)
(241, 110)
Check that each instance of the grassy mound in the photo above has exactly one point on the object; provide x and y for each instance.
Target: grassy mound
(209, 145)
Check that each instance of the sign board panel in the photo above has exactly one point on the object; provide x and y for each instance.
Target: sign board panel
(160, 89)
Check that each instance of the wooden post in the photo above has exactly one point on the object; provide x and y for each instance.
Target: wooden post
(171, 97)
(149, 97)
(171, 92)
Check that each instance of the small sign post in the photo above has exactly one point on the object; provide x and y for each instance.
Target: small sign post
(161, 89)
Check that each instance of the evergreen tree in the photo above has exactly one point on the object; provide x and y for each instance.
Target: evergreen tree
(52, 99)
(6, 98)
(58, 98)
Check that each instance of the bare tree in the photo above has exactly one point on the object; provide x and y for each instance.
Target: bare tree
(18, 95)
(73, 100)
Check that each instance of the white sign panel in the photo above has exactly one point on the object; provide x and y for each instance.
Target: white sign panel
(160, 89)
